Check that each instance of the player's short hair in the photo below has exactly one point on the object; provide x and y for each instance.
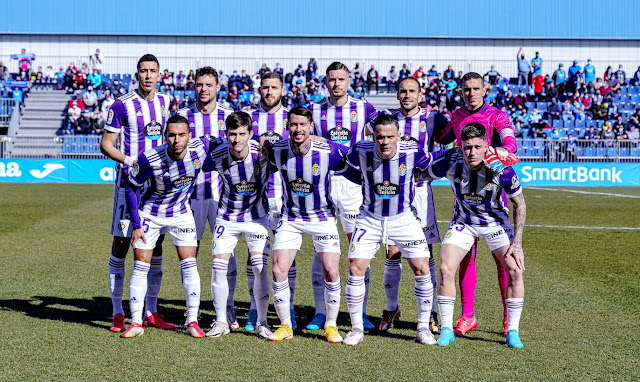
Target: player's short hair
(176, 119)
(471, 76)
(336, 65)
(272, 76)
(207, 71)
(409, 79)
(238, 119)
(385, 119)
(473, 130)
(148, 58)
(301, 111)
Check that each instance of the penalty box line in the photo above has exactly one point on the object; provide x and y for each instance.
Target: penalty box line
(583, 192)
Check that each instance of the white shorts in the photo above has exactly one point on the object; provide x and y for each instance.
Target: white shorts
(182, 229)
(323, 233)
(227, 234)
(347, 197)
(404, 231)
(464, 235)
(120, 220)
(423, 202)
(275, 212)
(204, 210)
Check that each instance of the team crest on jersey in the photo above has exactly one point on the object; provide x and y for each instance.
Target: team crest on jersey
(402, 170)
(122, 225)
(256, 168)
(162, 110)
(110, 117)
(153, 130)
(352, 247)
(315, 170)
(135, 170)
(423, 126)
(196, 163)
(213, 244)
(284, 123)
(490, 186)
(221, 125)
(448, 235)
(354, 116)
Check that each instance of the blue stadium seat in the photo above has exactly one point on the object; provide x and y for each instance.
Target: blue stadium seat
(623, 90)
(223, 94)
(610, 152)
(569, 123)
(635, 152)
(579, 151)
(530, 105)
(525, 131)
(106, 78)
(179, 93)
(581, 124)
(126, 77)
(542, 106)
(557, 123)
(358, 95)
(190, 93)
(625, 151)
(589, 152)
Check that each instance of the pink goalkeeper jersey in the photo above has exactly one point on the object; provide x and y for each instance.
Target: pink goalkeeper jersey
(493, 119)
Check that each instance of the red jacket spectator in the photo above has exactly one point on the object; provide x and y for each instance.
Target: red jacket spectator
(538, 84)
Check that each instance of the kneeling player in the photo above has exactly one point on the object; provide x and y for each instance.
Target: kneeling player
(480, 212)
(243, 209)
(387, 168)
(170, 170)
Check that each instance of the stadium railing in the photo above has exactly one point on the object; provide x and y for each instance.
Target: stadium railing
(127, 64)
(529, 150)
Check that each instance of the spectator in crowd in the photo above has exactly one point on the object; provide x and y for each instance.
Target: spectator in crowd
(633, 133)
(90, 98)
(538, 87)
(405, 72)
(82, 124)
(4, 71)
(602, 86)
(166, 81)
(614, 83)
(24, 63)
(591, 133)
(589, 74)
(554, 111)
(392, 79)
(372, 79)
(95, 79)
(613, 110)
(607, 132)
(550, 91)
(191, 80)
(432, 73)
(607, 73)
(520, 119)
(96, 61)
(570, 152)
(85, 69)
(39, 79)
(521, 98)
(524, 68)
(247, 83)
(536, 64)
(559, 77)
(358, 83)
(423, 80)
(278, 70)
(492, 76)
(69, 76)
(574, 69)
(60, 78)
(555, 134)
(567, 112)
(459, 78)
(599, 109)
(74, 110)
(636, 77)
(312, 63)
(449, 74)
(181, 81)
(264, 69)
(419, 72)
(49, 77)
(114, 87)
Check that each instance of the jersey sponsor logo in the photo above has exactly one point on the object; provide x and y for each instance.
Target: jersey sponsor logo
(402, 170)
(494, 235)
(110, 117)
(490, 186)
(184, 230)
(221, 125)
(423, 126)
(339, 134)
(301, 188)
(196, 163)
(354, 116)
(258, 236)
(409, 138)
(135, 170)
(272, 136)
(415, 243)
(325, 237)
(153, 130)
(514, 181)
(244, 188)
(386, 190)
(473, 199)
(183, 182)
(315, 170)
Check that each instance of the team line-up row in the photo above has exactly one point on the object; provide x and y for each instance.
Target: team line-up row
(302, 169)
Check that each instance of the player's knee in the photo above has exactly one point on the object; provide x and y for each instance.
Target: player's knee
(331, 275)
(447, 272)
(515, 275)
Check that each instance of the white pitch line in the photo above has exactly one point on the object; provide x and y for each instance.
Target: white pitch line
(584, 192)
(571, 226)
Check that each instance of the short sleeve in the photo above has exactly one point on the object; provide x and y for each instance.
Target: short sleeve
(371, 112)
(116, 118)
(510, 183)
(140, 172)
(440, 163)
(423, 159)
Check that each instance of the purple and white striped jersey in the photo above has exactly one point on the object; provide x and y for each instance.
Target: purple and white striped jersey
(387, 184)
(243, 197)
(344, 124)
(169, 182)
(140, 124)
(478, 193)
(273, 126)
(206, 125)
(422, 128)
(306, 178)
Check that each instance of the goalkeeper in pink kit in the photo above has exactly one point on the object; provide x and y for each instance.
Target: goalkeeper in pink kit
(500, 134)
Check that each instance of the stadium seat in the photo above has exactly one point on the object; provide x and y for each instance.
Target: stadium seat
(106, 78)
(625, 151)
(179, 93)
(623, 90)
(190, 93)
(223, 94)
(358, 95)
(589, 152)
(569, 123)
(530, 105)
(557, 123)
(126, 77)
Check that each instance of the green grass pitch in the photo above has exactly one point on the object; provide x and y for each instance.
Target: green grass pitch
(580, 320)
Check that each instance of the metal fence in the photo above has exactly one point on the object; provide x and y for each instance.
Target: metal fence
(529, 150)
(127, 64)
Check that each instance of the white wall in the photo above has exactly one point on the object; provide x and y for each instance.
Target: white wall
(184, 53)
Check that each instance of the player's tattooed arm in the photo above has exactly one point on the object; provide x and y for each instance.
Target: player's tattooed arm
(519, 217)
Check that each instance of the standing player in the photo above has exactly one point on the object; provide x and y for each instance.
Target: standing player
(386, 168)
(305, 165)
(499, 133)
(170, 171)
(270, 121)
(480, 212)
(243, 209)
(340, 119)
(416, 125)
(136, 119)
(207, 119)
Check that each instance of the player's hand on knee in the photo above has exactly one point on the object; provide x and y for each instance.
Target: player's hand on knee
(137, 234)
(515, 251)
